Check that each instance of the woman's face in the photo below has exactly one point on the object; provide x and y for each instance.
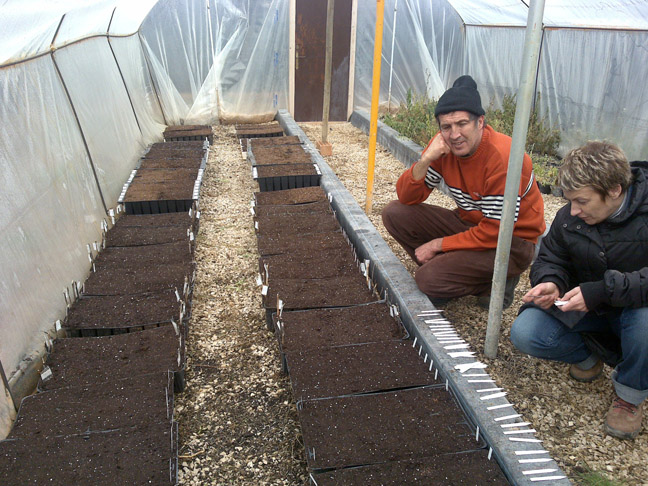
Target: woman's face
(590, 206)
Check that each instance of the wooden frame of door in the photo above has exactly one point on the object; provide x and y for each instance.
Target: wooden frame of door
(291, 56)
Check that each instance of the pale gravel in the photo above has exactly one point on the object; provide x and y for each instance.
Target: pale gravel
(238, 424)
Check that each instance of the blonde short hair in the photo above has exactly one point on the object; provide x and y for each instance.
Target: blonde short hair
(599, 165)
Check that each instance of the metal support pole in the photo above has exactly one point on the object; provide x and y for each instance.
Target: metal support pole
(511, 191)
(327, 69)
(375, 99)
(6, 385)
(391, 59)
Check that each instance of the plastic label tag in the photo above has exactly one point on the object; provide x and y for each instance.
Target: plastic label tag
(259, 280)
(58, 325)
(46, 374)
(264, 290)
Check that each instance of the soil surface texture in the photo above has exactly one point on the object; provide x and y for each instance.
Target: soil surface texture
(300, 195)
(368, 429)
(123, 311)
(318, 328)
(353, 369)
(466, 469)
(95, 360)
(255, 143)
(279, 154)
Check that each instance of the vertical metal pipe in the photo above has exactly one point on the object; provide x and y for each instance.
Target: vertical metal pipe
(6, 385)
(391, 58)
(375, 99)
(520, 127)
(330, 6)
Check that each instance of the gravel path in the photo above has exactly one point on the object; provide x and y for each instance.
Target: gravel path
(238, 424)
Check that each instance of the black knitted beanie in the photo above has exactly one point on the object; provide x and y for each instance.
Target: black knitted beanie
(463, 96)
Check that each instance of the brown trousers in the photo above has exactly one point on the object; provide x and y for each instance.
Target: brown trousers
(454, 273)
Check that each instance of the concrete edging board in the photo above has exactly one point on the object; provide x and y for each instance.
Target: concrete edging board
(488, 410)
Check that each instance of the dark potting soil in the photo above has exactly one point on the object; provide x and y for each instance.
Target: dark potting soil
(155, 220)
(313, 329)
(78, 410)
(380, 427)
(357, 368)
(95, 360)
(171, 163)
(148, 277)
(255, 143)
(161, 185)
(123, 311)
(118, 457)
(264, 171)
(293, 210)
(338, 291)
(295, 225)
(279, 154)
(189, 148)
(146, 235)
(464, 469)
(307, 243)
(297, 265)
(188, 132)
(259, 130)
(174, 252)
(300, 195)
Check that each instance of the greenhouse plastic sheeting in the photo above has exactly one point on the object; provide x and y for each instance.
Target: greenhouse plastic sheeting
(49, 206)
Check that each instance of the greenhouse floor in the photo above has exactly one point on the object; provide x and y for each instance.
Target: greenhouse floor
(238, 422)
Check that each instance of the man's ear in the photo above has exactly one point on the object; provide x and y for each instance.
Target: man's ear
(480, 122)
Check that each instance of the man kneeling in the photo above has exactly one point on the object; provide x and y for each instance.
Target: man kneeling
(590, 280)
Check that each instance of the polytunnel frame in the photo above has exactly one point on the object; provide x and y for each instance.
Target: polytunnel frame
(26, 373)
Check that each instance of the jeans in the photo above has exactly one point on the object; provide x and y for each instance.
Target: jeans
(539, 334)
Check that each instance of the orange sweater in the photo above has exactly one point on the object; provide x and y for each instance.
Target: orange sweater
(477, 184)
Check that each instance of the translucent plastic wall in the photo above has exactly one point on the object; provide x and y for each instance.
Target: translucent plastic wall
(74, 123)
(592, 84)
(413, 66)
(218, 60)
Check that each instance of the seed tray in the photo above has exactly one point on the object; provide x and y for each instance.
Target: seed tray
(356, 369)
(286, 176)
(301, 195)
(472, 468)
(286, 224)
(379, 427)
(279, 154)
(178, 133)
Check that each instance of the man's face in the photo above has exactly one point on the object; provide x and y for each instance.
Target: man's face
(462, 134)
(590, 206)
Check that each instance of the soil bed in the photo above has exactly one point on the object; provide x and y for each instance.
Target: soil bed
(78, 410)
(294, 210)
(174, 252)
(368, 429)
(308, 243)
(170, 163)
(358, 368)
(300, 195)
(286, 224)
(467, 468)
(324, 265)
(176, 149)
(145, 278)
(95, 360)
(287, 176)
(125, 456)
(279, 154)
(188, 132)
(272, 129)
(313, 329)
(255, 143)
(121, 236)
(154, 220)
(341, 291)
(121, 312)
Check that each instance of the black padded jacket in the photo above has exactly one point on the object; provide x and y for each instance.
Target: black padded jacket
(608, 260)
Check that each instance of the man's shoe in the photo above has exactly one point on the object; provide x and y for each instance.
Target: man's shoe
(586, 376)
(509, 289)
(623, 419)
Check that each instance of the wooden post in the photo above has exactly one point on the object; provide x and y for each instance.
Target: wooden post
(375, 99)
(324, 146)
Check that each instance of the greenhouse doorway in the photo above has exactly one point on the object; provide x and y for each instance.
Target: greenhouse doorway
(310, 58)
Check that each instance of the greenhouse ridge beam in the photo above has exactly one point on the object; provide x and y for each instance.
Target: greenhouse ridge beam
(394, 280)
